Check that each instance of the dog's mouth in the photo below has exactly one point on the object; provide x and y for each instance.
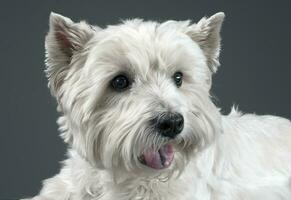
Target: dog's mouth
(160, 159)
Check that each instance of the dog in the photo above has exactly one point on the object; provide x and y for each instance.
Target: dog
(139, 121)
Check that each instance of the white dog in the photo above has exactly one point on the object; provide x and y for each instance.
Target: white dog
(140, 123)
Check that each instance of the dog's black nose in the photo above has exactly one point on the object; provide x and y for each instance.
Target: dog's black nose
(169, 124)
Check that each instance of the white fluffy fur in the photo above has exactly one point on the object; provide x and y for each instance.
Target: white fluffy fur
(234, 157)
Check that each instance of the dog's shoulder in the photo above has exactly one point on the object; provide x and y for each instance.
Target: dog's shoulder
(256, 123)
(261, 139)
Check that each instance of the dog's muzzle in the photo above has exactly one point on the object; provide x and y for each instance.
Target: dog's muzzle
(168, 125)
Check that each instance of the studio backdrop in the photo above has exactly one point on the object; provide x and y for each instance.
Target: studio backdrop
(255, 71)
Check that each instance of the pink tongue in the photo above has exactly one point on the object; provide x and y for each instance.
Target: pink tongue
(159, 159)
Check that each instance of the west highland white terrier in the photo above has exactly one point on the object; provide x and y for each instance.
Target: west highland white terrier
(140, 124)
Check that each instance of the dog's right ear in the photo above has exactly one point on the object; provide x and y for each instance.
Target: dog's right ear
(64, 40)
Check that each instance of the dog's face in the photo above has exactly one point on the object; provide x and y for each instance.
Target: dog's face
(135, 96)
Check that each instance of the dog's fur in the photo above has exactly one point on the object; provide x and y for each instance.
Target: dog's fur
(217, 157)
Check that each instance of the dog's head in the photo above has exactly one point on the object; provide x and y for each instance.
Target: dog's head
(135, 96)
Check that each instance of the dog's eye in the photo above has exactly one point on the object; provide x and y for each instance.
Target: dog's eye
(178, 78)
(120, 82)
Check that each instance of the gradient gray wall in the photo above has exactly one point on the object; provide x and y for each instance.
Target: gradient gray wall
(255, 72)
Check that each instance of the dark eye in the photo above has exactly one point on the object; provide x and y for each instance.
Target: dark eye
(178, 78)
(120, 82)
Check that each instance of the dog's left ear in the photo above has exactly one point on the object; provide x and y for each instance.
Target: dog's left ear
(207, 34)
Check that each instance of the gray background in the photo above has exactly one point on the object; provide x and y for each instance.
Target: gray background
(255, 71)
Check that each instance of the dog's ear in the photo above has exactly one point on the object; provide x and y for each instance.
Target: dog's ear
(64, 40)
(207, 34)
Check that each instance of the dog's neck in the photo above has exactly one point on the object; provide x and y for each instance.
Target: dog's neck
(132, 187)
